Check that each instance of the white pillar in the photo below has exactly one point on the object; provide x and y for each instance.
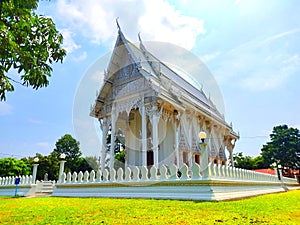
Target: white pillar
(35, 165)
(204, 159)
(155, 120)
(231, 157)
(112, 142)
(61, 170)
(190, 155)
(104, 147)
(176, 131)
(144, 135)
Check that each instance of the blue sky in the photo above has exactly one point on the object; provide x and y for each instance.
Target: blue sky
(250, 47)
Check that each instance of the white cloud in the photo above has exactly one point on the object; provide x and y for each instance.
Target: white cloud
(69, 44)
(163, 23)
(34, 121)
(80, 57)
(157, 20)
(208, 57)
(261, 64)
(98, 76)
(5, 109)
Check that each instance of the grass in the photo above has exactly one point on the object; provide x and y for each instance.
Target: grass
(282, 208)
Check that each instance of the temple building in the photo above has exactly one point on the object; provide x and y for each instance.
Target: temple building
(158, 112)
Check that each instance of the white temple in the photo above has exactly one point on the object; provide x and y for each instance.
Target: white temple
(158, 114)
(158, 111)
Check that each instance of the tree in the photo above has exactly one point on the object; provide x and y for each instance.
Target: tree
(69, 146)
(87, 164)
(14, 167)
(46, 164)
(29, 44)
(247, 162)
(284, 147)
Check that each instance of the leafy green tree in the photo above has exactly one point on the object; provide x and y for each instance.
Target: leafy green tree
(284, 147)
(92, 162)
(241, 161)
(87, 164)
(120, 159)
(249, 163)
(46, 164)
(259, 163)
(14, 167)
(69, 146)
(29, 44)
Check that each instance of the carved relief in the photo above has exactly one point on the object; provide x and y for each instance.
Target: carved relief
(129, 88)
(125, 73)
(166, 115)
(127, 105)
(152, 109)
(182, 141)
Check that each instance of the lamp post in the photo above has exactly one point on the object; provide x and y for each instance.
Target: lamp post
(61, 166)
(35, 165)
(279, 172)
(204, 154)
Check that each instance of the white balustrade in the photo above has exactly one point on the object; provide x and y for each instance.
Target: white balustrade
(214, 169)
(69, 177)
(127, 174)
(92, 176)
(184, 172)
(217, 171)
(135, 173)
(63, 179)
(80, 177)
(153, 173)
(98, 176)
(105, 175)
(163, 173)
(144, 172)
(196, 171)
(120, 174)
(74, 177)
(113, 174)
(86, 176)
(174, 172)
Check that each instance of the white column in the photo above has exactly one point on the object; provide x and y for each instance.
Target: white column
(104, 147)
(190, 155)
(35, 166)
(204, 159)
(231, 157)
(144, 135)
(112, 142)
(176, 129)
(61, 170)
(155, 120)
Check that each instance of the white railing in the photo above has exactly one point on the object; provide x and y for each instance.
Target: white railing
(9, 181)
(164, 173)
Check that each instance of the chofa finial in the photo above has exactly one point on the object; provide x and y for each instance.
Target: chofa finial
(139, 35)
(118, 24)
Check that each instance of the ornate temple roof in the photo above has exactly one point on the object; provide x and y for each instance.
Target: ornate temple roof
(169, 84)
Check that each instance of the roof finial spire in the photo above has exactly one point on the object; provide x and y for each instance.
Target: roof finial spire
(142, 47)
(119, 28)
(140, 39)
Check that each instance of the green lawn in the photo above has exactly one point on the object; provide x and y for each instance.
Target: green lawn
(282, 208)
